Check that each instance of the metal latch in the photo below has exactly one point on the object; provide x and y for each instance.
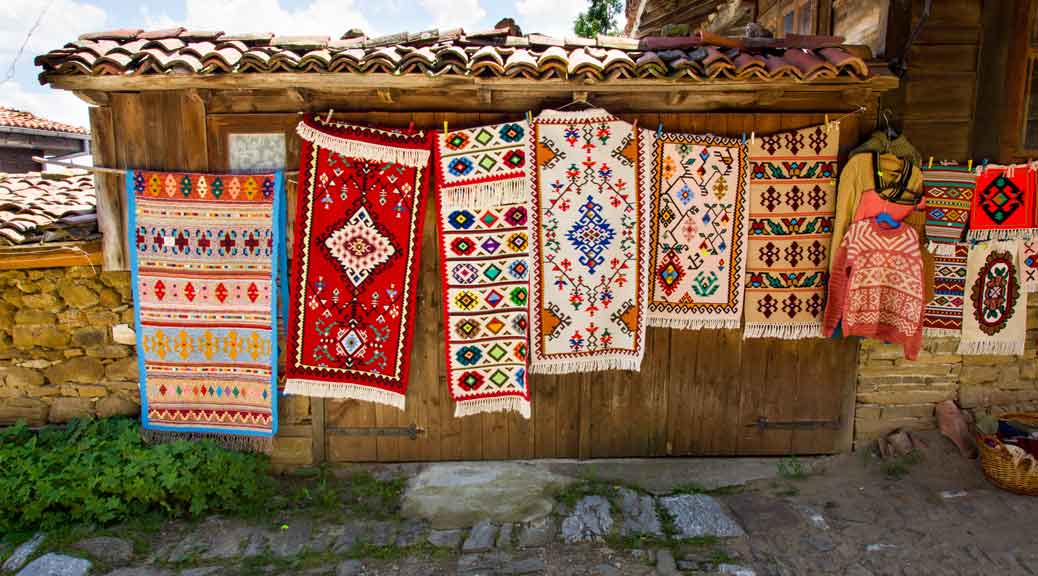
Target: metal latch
(762, 423)
(411, 431)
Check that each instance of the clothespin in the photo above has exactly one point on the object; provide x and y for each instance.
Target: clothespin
(753, 137)
(444, 127)
(969, 165)
(659, 130)
(635, 124)
(743, 138)
(410, 126)
(984, 163)
(328, 118)
(930, 165)
(826, 123)
(529, 117)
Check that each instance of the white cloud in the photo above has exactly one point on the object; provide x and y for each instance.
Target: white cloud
(447, 14)
(550, 17)
(320, 17)
(63, 21)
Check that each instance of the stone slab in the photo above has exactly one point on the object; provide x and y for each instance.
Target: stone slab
(590, 521)
(700, 515)
(56, 565)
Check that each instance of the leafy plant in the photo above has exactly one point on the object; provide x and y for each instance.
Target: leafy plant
(791, 468)
(599, 18)
(101, 472)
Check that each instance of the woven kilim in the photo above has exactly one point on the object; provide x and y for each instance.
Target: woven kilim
(948, 191)
(485, 266)
(697, 243)
(943, 315)
(588, 217)
(359, 213)
(1029, 264)
(482, 166)
(792, 206)
(994, 319)
(204, 267)
(1003, 204)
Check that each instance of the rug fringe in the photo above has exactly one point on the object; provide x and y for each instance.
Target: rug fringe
(1014, 234)
(942, 332)
(782, 331)
(518, 404)
(235, 442)
(341, 390)
(415, 158)
(996, 347)
(585, 365)
(696, 323)
(486, 194)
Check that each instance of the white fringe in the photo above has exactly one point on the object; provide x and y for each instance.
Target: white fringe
(998, 347)
(942, 332)
(585, 365)
(941, 248)
(486, 194)
(500, 404)
(1014, 234)
(230, 441)
(366, 150)
(589, 114)
(344, 390)
(695, 323)
(782, 331)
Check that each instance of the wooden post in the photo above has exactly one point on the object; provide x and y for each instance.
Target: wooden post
(317, 421)
(111, 212)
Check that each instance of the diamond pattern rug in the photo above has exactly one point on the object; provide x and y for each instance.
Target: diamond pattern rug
(943, 314)
(204, 260)
(1003, 204)
(949, 192)
(792, 206)
(359, 214)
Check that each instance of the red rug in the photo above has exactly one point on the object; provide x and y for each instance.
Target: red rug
(361, 200)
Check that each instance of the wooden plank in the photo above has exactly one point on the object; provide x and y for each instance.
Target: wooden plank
(111, 209)
(57, 255)
(317, 416)
(569, 418)
(544, 403)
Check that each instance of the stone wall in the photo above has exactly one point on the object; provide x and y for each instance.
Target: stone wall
(58, 359)
(893, 392)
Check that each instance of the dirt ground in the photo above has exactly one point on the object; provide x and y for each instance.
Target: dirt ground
(932, 513)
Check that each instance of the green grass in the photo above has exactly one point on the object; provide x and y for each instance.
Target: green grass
(898, 467)
(575, 492)
(791, 468)
(694, 488)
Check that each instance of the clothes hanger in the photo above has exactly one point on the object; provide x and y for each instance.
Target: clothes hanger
(891, 133)
(579, 98)
(886, 218)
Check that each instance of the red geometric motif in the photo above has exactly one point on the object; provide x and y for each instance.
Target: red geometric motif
(358, 228)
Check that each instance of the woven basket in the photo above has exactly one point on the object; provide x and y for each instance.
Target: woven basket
(998, 464)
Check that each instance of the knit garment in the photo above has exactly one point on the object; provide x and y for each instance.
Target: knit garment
(876, 287)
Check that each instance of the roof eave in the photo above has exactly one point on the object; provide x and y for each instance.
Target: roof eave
(40, 132)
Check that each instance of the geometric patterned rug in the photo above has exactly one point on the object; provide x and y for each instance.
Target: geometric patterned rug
(943, 316)
(204, 263)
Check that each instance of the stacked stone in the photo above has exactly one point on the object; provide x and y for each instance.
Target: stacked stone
(893, 392)
(58, 358)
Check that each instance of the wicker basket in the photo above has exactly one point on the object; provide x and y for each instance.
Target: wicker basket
(998, 464)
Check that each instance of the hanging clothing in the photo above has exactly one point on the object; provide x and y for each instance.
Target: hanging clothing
(894, 179)
(880, 143)
(876, 285)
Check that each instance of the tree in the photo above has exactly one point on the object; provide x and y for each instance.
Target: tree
(599, 18)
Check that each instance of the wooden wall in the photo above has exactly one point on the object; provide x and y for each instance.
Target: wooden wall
(697, 393)
(937, 99)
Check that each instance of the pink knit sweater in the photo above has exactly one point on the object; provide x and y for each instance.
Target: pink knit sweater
(876, 286)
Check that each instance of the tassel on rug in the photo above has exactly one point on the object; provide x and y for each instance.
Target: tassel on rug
(235, 442)
(782, 331)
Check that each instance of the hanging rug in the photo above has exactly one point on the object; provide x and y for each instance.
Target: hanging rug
(1029, 263)
(204, 265)
(587, 213)
(948, 193)
(697, 242)
(1003, 203)
(994, 319)
(358, 233)
(792, 207)
(483, 166)
(943, 314)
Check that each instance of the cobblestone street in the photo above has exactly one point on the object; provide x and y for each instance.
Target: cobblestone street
(932, 513)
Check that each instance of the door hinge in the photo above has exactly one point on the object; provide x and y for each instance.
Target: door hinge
(763, 423)
(411, 431)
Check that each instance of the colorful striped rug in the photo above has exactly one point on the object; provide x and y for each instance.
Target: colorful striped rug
(943, 314)
(204, 264)
(948, 191)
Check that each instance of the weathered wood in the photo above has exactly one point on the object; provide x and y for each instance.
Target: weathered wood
(60, 255)
(317, 433)
(111, 208)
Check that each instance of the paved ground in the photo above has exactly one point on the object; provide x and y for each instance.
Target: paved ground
(851, 515)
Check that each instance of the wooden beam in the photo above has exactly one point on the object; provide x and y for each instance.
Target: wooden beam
(92, 97)
(485, 96)
(111, 210)
(388, 95)
(677, 98)
(770, 97)
(60, 255)
(353, 83)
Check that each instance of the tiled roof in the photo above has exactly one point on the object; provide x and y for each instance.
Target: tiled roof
(49, 207)
(496, 53)
(11, 118)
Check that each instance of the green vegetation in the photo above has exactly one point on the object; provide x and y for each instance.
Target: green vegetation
(898, 467)
(791, 468)
(101, 472)
(324, 496)
(599, 18)
(575, 492)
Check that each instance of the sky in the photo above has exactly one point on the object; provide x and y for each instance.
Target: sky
(64, 20)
